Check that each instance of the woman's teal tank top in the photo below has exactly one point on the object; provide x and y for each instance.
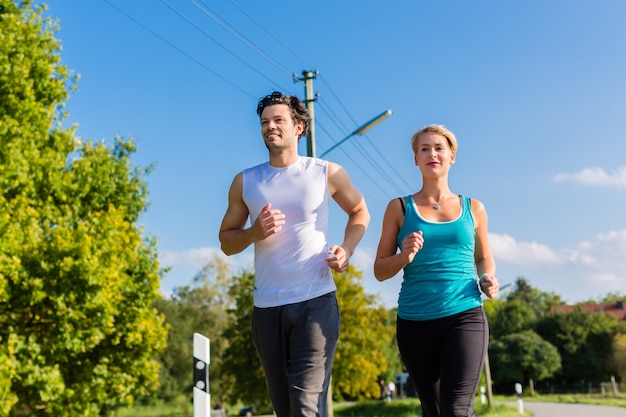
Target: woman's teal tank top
(441, 280)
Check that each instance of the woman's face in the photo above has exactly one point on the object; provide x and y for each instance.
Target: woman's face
(433, 155)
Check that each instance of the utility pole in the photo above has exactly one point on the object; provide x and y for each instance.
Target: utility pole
(309, 99)
(488, 380)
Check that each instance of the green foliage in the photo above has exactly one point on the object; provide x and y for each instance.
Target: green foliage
(390, 350)
(521, 356)
(618, 357)
(201, 309)
(606, 399)
(491, 307)
(540, 302)
(613, 298)
(411, 408)
(365, 338)
(219, 301)
(584, 341)
(403, 408)
(77, 278)
(512, 317)
(243, 375)
(365, 351)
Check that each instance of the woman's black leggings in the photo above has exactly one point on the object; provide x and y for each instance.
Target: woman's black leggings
(444, 358)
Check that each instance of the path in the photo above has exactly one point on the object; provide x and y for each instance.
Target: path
(572, 410)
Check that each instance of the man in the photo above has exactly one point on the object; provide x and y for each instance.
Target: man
(295, 321)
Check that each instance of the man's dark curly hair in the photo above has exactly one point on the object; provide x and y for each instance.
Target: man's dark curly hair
(299, 113)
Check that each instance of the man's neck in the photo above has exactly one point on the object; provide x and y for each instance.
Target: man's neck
(283, 159)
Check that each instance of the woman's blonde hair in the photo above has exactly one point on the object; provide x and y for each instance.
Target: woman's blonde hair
(438, 130)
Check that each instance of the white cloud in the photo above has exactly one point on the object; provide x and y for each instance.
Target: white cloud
(605, 259)
(596, 176)
(590, 269)
(187, 263)
(505, 248)
(188, 258)
(363, 257)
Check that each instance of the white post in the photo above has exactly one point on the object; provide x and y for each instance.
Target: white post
(614, 386)
(201, 360)
(520, 402)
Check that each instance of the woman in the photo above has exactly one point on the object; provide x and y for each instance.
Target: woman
(442, 331)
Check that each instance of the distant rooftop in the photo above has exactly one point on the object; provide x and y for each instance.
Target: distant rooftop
(614, 309)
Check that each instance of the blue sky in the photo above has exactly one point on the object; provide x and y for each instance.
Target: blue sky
(535, 92)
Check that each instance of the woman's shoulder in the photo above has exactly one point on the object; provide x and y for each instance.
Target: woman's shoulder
(396, 209)
(476, 206)
(400, 202)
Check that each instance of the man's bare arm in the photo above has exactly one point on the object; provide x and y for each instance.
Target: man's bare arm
(234, 237)
(352, 202)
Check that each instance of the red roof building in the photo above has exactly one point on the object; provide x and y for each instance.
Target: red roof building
(615, 309)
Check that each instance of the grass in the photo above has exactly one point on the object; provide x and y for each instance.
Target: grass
(504, 406)
(179, 408)
(595, 399)
(397, 408)
(411, 408)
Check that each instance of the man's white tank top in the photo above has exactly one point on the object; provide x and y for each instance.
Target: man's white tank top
(289, 265)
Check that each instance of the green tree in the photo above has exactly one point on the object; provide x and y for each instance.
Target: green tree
(491, 307)
(512, 317)
(363, 354)
(613, 298)
(365, 341)
(584, 340)
(521, 357)
(242, 372)
(540, 301)
(390, 351)
(198, 309)
(618, 357)
(77, 277)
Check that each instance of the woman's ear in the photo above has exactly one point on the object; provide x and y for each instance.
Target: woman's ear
(415, 159)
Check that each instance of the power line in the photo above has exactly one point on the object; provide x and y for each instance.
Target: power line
(359, 167)
(176, 48)
(368, 155)
(224, 23)
(381, 156)
(207, 10)
(253, 20)
(188, 20)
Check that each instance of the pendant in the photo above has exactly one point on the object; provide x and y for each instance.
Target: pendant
(437, 206)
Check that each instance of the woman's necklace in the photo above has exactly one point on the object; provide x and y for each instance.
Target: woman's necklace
(437, 206)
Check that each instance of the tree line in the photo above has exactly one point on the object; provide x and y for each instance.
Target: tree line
(79, 333)
(530, 343)
(219, 306)
(533, 341)
(83, 326)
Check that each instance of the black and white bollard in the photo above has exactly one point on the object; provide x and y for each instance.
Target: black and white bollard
(201, 360)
